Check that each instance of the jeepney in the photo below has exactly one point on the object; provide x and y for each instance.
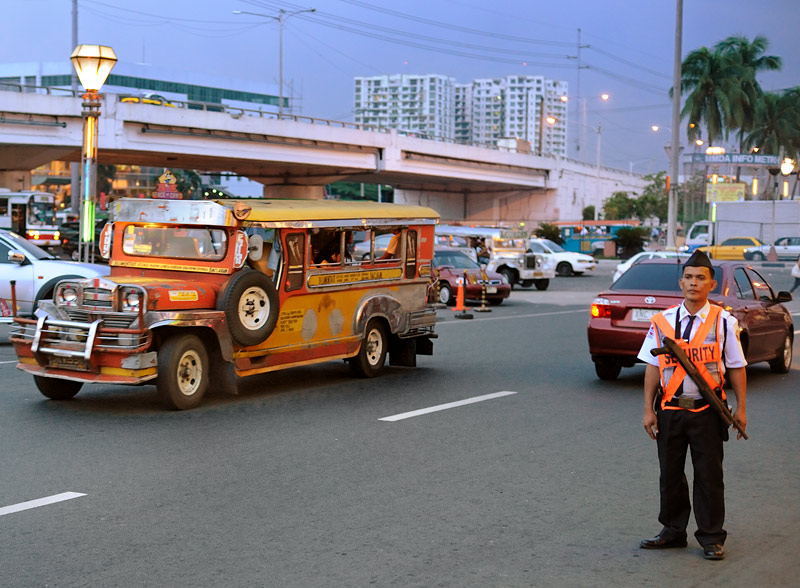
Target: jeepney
(506, 252)
(202, 293)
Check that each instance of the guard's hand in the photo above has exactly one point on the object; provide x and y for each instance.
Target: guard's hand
(650, 423)
(741, 416)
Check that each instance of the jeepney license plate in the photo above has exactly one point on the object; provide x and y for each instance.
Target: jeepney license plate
(491, 289)
(644, 314)
(68, 363)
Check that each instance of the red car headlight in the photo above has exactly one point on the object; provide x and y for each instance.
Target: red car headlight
(601, 308)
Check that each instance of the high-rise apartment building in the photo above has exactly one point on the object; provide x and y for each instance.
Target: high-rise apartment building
(479, 112)
(513, 106)
(420, 104)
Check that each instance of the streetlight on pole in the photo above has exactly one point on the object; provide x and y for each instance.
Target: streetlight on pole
(282, 16)
(92, 63)
(584, 101)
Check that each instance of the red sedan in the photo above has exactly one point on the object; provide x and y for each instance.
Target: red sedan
(450, 264)
(620, 316)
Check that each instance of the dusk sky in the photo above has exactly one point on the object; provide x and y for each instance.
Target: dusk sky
(630, 51)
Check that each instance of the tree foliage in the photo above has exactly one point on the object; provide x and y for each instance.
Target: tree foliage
(619, 206)
(549, 231)
(588, 212)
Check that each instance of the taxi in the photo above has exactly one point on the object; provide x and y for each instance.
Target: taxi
(731, 248)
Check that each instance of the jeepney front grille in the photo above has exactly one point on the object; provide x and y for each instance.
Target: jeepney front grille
(98, 298)
(530, 262)
(111, 320)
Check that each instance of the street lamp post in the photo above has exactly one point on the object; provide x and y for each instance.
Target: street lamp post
(282, 16)
(584, 125)
(92, 63)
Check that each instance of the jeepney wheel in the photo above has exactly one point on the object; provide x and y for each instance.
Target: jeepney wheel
(527, 283)
(56, 389)
(541, 284)
(372, 355)
(250, 302)
(182, 372)
(445, 293)
(510, 275)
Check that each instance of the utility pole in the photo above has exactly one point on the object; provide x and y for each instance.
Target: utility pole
(74, 167)
(677, 91)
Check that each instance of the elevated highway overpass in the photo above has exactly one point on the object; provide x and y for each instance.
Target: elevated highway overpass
(297, 156)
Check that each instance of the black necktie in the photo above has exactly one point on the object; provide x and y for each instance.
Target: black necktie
(688, 330)
(686, 335)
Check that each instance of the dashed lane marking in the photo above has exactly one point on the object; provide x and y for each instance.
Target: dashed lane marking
(12, 361)
(421, 411)
(39, 502)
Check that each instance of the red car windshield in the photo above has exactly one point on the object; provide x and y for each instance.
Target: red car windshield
(656, 276)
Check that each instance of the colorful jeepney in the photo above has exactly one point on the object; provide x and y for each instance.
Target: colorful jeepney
(202, 293)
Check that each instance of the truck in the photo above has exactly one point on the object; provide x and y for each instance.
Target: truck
(766, 220)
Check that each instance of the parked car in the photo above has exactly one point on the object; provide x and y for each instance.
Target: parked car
(568, 263)
(450, 264)
(149, 98)
(731, 248)
(620, 316)
(36, 272)
(787, 248)
(361, 248)
(642, 256)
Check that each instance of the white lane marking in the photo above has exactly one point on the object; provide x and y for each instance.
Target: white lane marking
(421, 411)
(12, 361)
(516, 316)
(39, 502)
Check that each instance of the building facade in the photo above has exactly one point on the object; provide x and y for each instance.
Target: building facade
(481, 112)
(422, 105)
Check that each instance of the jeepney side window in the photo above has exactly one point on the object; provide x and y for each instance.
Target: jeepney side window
(411, 253)
(326, 247)
(3, 206)
(295, 257)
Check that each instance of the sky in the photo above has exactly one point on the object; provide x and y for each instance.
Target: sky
(627, 49)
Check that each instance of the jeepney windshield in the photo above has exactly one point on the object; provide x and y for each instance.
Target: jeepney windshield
(177, 242)
(510, 244)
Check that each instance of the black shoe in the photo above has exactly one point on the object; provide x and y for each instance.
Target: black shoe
(714, 551)
(660, 542)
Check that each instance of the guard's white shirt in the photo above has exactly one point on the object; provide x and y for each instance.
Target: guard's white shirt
(734, 355)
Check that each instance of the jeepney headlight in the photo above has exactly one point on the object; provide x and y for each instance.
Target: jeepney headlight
(131, 298)
(66, 295)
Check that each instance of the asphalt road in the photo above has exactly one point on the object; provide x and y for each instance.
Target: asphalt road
(298, 483)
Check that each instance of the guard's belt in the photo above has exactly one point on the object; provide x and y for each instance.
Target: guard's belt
(682, 402)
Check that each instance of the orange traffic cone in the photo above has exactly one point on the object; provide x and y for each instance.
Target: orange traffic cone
(460, 307)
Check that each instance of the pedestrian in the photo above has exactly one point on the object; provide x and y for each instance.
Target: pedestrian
(678, 418)
(796, 275)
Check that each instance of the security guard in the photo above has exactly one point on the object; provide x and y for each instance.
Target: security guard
(678, 418)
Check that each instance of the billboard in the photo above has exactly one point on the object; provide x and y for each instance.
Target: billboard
(725, 192)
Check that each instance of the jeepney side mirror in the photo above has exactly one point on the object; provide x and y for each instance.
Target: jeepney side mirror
(16, 257)
(783, 297)
(255, 249)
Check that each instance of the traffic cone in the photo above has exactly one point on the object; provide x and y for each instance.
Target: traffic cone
(460, 307)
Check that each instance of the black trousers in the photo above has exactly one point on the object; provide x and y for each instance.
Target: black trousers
(701, 432)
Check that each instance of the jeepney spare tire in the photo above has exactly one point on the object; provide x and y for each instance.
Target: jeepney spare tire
(250, 302)
(56, 389)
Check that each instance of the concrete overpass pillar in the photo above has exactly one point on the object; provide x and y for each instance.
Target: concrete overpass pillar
(15, 181)
(295, 192)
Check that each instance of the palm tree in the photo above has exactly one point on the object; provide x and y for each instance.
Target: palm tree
(777, 124)
(751, 59)
(715, 94)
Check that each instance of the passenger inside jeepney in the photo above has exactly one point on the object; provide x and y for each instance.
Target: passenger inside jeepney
(393, 249)
(268, 262)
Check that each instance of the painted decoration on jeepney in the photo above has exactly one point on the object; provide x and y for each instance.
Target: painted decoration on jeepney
(105, 240)
(183, 295)
(240, 251)
(339, 278)
(309, 325)
(166, 188)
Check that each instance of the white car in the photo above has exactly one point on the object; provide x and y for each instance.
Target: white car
(35, 272)
(568, 263)
(641, 256)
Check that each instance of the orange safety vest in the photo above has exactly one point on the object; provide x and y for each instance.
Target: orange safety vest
(705, 356)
